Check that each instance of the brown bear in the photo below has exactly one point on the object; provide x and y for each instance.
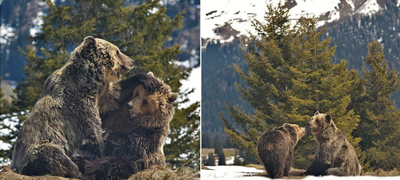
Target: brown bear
(134, 136)
(276, 147)
(334, 154)
(66, 118)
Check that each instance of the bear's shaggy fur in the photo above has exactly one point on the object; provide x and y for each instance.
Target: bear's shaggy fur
(66, 118)
(334, 154)
(276, 147)
(134, 135)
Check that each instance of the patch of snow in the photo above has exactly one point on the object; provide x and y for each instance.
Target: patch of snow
(238, 13)
(6, 33)
(230, 172)
(235, 172)
(4, 146)
(314, 8)
(36, 24)
(351, 3)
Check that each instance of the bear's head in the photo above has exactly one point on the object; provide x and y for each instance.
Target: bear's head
(154, 110)
(320, 122)
(294, 130)
(105, 56)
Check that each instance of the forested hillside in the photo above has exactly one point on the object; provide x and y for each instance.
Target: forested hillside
(352, 35)
(21, 19)
(218, 85)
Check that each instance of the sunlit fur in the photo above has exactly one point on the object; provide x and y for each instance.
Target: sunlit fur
(66, 117)
(275, 148)
(334, 154)
(134, 135)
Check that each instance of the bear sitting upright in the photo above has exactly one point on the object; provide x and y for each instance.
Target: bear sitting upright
(66, 117)
(334, 154)
(276, 147)
(134, 135)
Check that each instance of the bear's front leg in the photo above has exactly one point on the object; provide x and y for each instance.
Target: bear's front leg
(93, 146)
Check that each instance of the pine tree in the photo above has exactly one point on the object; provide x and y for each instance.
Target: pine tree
(4, 114)
(219, 150)
(290, 76)
(210, 160)
(319, 85)
(379, 126)
(140, 32)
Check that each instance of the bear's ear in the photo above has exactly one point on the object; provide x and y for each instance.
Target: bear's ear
(89, 42)
(328, 118)
(316, 113)
(150, 74)
(172, 97)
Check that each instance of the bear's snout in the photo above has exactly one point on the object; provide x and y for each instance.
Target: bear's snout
(129, 106)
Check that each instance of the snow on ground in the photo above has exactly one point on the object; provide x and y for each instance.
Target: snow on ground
(236, 172)
(230, 172)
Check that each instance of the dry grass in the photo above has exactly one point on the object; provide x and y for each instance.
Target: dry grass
(205, 167)
(7, 174)
(164, 173)
(227, 151)
(154, 173)
(381, 172)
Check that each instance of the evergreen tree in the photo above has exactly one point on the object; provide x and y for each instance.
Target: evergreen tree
(290, 77)
(140, 32)
(4, 114)
(379, 126)
(210, 160)
(219, 150)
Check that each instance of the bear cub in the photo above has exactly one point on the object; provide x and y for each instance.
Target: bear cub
(134, 135)
(334, 154)
(276, 147)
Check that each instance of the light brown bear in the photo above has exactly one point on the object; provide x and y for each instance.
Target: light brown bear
(334, 154)
(276, 147)
(66, 118)
(134, 135)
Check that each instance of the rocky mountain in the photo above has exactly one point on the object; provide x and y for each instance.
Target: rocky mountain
(225, 19)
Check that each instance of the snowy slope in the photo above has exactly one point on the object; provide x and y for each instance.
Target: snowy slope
(224, 19)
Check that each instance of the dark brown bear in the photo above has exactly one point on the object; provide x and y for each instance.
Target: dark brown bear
(334, 154)
(134, 135)
(66, 118)
(276, 147)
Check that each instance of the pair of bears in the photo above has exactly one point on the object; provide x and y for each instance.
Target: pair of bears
(85, 97)
(334, 154)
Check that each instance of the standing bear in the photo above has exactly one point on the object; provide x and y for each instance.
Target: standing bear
(276, 147)
(66, 118)
(334, 154)
(134, 135)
